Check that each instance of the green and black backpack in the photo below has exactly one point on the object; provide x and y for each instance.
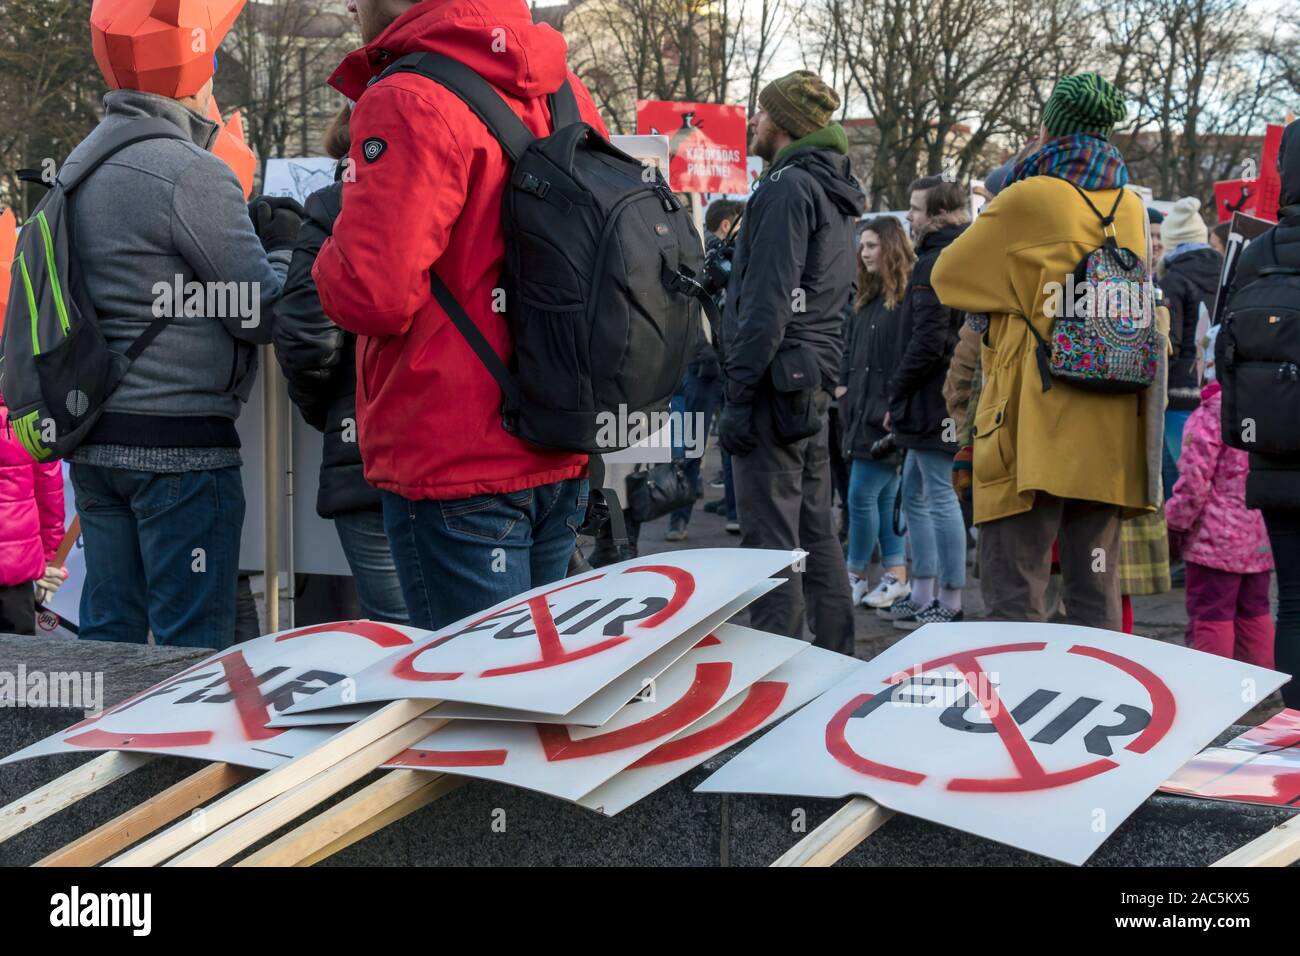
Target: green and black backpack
(56, 370)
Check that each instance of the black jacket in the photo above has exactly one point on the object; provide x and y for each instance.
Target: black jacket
(1188, 282)
(872, 353)
(929, 330)
(704, 353)
(1274, 480)
(318, 359)
(793, 269)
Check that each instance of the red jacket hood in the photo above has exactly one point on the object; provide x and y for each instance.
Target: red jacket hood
(495, 38)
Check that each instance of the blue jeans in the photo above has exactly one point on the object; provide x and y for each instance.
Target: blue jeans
(934, 521)
(365, 545)
(1175, 422)
(162, 554)
(700, 398)
(457, 557)
(873, 488)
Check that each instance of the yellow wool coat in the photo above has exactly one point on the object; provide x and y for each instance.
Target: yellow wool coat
(1065, 441)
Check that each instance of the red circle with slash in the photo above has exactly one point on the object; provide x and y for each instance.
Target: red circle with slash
(550, 646)
(1030, 773)
(251, 708)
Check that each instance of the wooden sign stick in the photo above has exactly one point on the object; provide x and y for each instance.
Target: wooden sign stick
(366, 811)
(288, 806)
(138, 822)
(93, 775)
(67, 541)
(1280, 846)
(185, 833)
(407, 805)
(845, 829)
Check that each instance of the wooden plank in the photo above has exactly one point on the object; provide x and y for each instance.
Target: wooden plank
(138, 822)
(366, 811)
(93, 775)
(288, 806)
(1280, 846)
(273, 783)
(845, 829)
(407, 805)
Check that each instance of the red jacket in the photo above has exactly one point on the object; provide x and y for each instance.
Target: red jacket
(428, 412)
(31, 509)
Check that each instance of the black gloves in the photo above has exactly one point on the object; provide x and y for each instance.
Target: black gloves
(276, 220)
(736, 429)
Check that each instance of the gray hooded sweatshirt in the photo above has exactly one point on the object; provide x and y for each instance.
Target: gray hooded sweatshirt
(161, 217)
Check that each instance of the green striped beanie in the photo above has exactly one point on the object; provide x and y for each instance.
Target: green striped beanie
(1084, 103)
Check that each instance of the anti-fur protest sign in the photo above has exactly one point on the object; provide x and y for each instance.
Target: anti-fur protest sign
(1044, 737)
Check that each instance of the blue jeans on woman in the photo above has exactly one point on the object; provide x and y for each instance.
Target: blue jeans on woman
(455, 558)
(873, 488)
(1175, 423)
(365, 545)
(934, 521)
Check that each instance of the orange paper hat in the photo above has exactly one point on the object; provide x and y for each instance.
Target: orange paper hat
(231, 147)
(159, 46)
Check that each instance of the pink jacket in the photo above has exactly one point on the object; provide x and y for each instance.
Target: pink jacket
(31, 509)
(1209, 499)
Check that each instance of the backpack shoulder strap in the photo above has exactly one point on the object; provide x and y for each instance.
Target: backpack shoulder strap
(476, 92)
(1108, 219)
(134, 132)
(564, 107)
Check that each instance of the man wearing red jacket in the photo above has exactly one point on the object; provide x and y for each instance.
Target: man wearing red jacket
(473, 514)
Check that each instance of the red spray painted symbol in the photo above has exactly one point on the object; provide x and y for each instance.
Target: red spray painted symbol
(1030, 774)
(250, 705)
(550, 646)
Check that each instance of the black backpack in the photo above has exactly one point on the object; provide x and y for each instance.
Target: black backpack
(56, 370)
(1257, 361)
(600, 274)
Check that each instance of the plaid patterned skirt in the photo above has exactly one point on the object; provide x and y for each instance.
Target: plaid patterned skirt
(1144, 555)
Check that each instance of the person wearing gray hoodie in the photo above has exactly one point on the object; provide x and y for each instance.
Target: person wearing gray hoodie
(162, 230)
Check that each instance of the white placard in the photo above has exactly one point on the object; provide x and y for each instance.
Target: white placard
(593, 712)
(552, 648)
(1045, 737)
(298, 176)
(218, 709)
(790, 686)
(568, 762)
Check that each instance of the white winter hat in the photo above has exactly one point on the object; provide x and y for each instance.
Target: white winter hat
(1183, 223)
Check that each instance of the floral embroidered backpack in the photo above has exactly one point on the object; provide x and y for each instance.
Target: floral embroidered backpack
(1105, 338)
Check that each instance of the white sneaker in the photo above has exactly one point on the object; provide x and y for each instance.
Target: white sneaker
(859, 586)
(889, 590)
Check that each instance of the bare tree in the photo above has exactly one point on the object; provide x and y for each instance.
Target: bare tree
(275, 60)
(625, 50)
(50, 89)
(1207, 74)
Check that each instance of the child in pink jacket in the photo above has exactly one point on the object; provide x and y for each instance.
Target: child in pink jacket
(1225, 544)
(31, 526)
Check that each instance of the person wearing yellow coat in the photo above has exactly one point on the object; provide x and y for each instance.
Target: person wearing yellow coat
(1061, 464)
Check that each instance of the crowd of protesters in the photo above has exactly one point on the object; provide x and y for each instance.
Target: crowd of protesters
(898, 363)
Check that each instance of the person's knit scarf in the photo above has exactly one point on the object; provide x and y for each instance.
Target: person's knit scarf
(1087, 161)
